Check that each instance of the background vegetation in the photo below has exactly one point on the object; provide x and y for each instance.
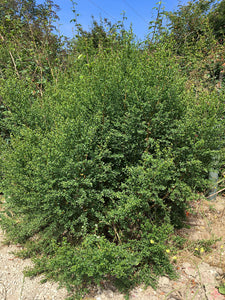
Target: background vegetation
(105, 140)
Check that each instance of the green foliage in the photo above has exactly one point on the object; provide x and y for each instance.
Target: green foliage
(29, 48)
(202, 246)
(217, 20)
(107, 163)
(98, 260)
(95, 261)
(101, 163)
(197, 32)
(189, 24)
(222, 289)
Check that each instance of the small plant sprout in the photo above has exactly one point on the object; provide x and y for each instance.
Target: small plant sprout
(174, 258)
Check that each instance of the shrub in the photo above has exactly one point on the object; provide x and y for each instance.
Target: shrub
(101, 168)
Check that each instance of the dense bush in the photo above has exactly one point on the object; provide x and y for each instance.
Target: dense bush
(101, 168)
(100, 161)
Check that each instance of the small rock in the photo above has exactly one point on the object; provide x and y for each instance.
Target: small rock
(164, 284)
(163, 281)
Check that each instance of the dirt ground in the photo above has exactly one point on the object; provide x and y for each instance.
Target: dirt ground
(201, 268)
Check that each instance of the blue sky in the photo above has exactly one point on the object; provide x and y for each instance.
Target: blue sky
(138, 12)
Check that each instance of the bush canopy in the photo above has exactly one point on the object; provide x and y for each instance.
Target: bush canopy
(100, 161)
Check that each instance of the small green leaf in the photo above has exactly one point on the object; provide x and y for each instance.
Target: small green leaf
(222, 289)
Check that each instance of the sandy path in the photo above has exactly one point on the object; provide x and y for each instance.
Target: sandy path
(13, 284)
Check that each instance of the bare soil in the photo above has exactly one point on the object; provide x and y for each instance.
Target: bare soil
(199, 275)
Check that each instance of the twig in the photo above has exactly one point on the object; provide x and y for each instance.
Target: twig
(17, 73)
(216, 193)
(116, 233)
(157, 19)
(12, 58)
